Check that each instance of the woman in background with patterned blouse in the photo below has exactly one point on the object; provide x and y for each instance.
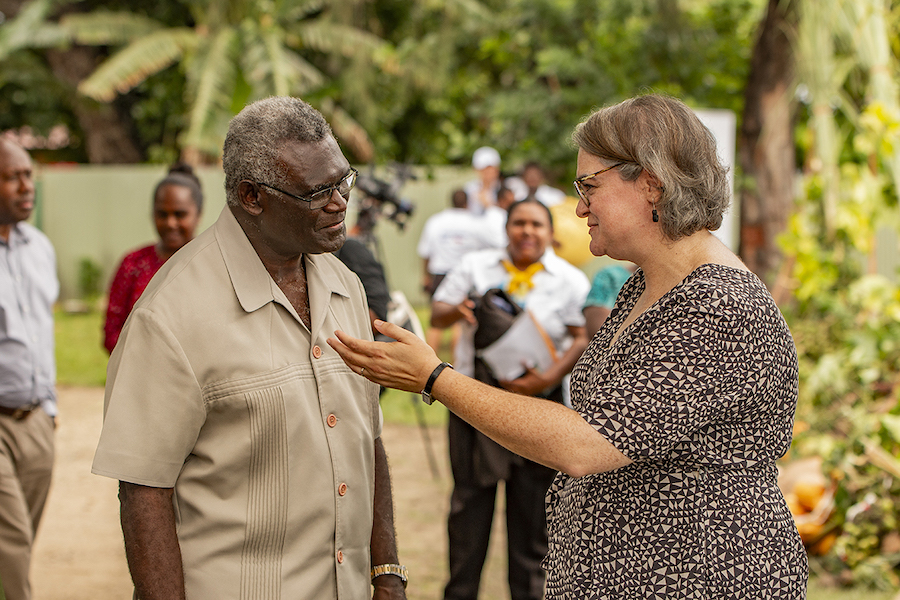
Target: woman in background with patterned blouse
(177, 204)
(682, 402)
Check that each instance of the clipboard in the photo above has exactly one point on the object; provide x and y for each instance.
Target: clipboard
(524, 345)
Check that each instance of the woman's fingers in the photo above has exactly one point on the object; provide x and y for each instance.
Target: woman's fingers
(404, 364)
(393, 331)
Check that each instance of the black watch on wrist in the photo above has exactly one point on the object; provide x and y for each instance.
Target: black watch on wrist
(426, 393)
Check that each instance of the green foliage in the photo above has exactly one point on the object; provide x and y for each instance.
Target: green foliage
(846, 324)
(231, 53)
(90, 279)
(425, 81)
(523, 78)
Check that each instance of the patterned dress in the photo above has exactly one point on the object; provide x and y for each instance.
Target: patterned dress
(700, 393)
(129, 282)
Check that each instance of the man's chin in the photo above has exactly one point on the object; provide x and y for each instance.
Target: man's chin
(334, 242)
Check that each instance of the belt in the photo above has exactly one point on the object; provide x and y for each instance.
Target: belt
(19, 413)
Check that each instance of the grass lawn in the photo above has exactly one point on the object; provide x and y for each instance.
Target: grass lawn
(80, 356)
(820, 591)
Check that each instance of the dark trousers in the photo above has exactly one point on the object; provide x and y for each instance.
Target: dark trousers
(469, 527)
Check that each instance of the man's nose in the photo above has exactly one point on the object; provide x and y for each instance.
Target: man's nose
(336, 203)
(26, 183)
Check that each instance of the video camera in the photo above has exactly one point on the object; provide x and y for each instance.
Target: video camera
(383, 198)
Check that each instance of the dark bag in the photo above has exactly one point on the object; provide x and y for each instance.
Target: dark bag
(495, 312)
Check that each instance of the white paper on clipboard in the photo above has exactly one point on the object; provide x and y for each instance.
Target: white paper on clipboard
(525, 344)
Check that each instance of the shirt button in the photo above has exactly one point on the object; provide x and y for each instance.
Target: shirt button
(332, 420)
(317, 352)
(342, 489)
(340, 556)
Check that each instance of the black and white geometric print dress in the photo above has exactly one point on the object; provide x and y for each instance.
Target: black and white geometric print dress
(700, 393)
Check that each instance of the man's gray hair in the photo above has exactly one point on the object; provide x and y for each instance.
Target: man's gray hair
(662, 135)
(259, 132)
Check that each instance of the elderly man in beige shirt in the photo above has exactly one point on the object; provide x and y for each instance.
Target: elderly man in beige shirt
(249, 456)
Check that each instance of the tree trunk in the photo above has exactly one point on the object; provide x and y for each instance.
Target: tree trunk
(108, 137)
(766, 145)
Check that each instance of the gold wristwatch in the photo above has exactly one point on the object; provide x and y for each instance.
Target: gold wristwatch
(398, 570)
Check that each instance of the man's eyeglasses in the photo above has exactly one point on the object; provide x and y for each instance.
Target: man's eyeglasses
(321, 197)
(579, 183)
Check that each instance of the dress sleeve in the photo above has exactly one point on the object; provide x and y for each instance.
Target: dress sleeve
(660, 383)
(153, 410)
(117, 306)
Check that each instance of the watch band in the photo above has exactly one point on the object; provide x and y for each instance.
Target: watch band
(426, 391)
(391, 569)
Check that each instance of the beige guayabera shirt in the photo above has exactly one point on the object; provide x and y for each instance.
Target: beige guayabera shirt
(217, 389)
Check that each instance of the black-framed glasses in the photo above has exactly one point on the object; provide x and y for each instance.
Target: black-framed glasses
(579, 183)
(321, 197)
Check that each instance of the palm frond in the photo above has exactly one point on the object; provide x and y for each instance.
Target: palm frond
(334, 38)
(347, 130)
(103, 27)
(283, 77)
(308, 76)
(136, 62)
(290, 11)
(30, 29)
(466, 9)
(211, 80)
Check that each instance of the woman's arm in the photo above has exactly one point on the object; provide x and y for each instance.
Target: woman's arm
(444, 314)
(117, 307)
(545, 432)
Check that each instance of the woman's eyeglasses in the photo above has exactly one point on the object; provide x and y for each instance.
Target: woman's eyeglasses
(579, 183)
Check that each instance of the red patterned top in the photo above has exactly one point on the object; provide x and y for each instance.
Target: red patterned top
(133, 275)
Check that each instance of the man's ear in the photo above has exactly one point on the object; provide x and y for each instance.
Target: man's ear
(249, 198)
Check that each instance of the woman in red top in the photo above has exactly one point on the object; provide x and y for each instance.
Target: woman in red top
(177, 203)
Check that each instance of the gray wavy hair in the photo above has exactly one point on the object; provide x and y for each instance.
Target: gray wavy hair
(662, 135)
(258, 133)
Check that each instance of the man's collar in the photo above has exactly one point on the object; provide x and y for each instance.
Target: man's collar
(17, 234)
(253, 285)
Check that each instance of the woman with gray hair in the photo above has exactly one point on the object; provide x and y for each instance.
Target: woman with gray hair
(682, 402)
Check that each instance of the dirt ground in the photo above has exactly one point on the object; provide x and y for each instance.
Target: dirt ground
(79, 553)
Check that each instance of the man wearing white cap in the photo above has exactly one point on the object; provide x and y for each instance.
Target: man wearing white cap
(482, 192)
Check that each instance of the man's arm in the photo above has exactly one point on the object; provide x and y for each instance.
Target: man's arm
(151, 545)
(383, 546)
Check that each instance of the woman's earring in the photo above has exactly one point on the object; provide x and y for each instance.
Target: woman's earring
(655, 216)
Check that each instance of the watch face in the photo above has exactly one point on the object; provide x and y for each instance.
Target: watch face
(427, 399)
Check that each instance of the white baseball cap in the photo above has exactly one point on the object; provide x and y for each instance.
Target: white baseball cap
(485, 157)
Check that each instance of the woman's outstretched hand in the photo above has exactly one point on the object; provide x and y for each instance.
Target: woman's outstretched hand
(404, 364)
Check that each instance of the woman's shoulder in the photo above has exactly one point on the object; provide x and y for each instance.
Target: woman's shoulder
(724, 281)
(140, 254)
(140, 259)
(730, 294)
